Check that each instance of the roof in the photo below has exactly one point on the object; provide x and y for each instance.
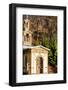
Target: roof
(39, 46)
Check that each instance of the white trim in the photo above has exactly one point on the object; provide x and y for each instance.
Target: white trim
(39, 46)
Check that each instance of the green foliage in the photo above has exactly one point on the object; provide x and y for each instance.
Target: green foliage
(45, 42)
(52, 57)
(37, 42)
(52, 45)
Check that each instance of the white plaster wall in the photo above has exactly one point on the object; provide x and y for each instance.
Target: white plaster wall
(45, 62)
(33, 62)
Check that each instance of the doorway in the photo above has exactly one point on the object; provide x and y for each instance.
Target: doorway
(39, 65)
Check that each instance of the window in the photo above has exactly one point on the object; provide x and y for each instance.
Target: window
(26, 37)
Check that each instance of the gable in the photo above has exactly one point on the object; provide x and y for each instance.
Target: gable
(39, 50)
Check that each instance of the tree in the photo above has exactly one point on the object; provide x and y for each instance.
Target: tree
(53, 51)
(45, 42)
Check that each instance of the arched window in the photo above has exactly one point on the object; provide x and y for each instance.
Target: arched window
(26, 37)
(39, 65)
